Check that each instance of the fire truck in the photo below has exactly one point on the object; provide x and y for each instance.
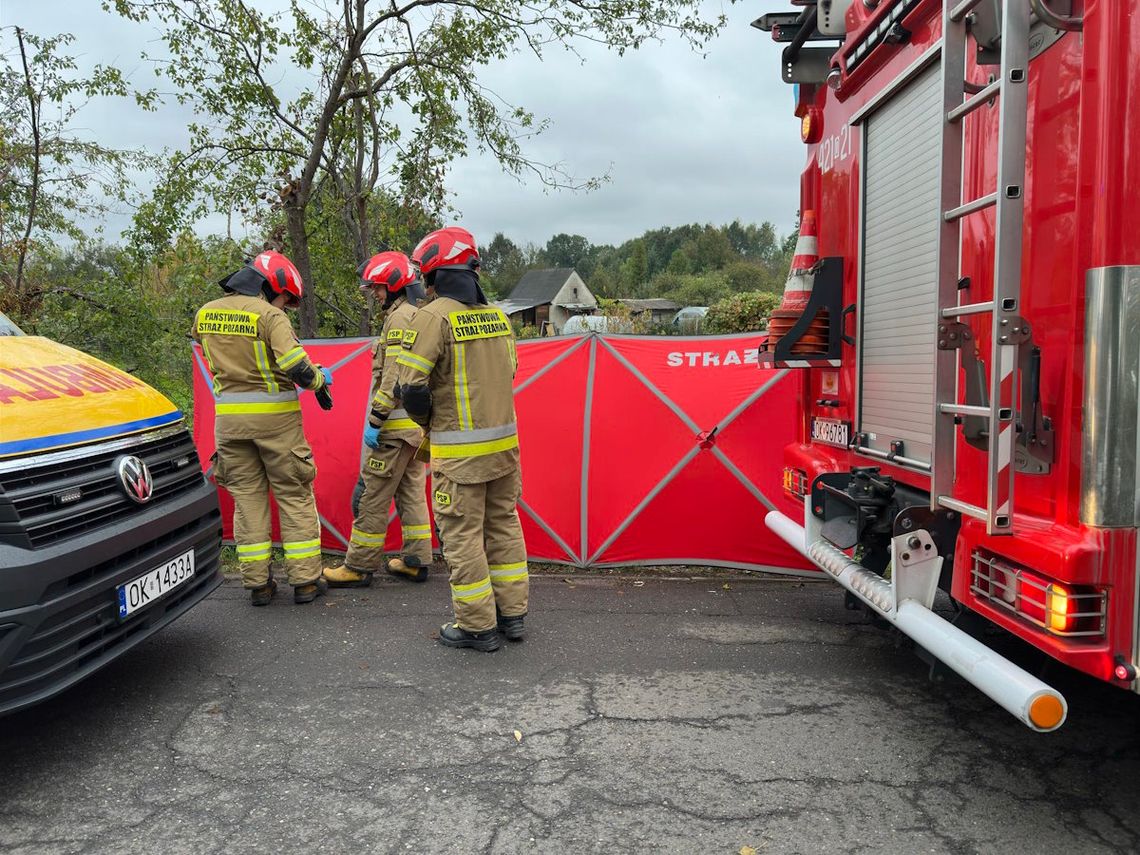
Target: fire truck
(970, 329)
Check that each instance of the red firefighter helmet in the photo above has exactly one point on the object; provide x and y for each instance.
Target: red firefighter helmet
(281, 274)
(388, 271)
(447, 249)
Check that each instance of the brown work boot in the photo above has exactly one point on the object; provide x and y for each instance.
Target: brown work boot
(345, 577)
(451, 635)
(309, 592)
(408, 567)
(261, 596)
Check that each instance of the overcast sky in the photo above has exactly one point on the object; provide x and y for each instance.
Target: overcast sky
(684, 138)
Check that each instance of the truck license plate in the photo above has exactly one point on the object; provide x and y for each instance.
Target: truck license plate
(830, 431)
(141, 592)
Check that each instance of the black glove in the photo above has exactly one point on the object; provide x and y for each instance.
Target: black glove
(417, 402)
(324, 397)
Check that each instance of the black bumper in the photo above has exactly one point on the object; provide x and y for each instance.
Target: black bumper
(60, 616)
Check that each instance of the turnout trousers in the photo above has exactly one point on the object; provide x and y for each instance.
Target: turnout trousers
(484, 547)
(390, 472)
(249, 469)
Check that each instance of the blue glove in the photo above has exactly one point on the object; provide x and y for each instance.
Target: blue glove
(328, 376)
(372, 436)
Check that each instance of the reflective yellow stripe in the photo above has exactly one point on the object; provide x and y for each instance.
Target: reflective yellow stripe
(501, 573)
(291, 357)
(384, 398)
(247, 552)
(417, 532)
(398, 424)
(475, 449)
(416, 362)
(262, 357)
(392, 348)
(267, 407)
(462, 395)
(367, 538)
(210, 365)
(472, 590)
(298, 549)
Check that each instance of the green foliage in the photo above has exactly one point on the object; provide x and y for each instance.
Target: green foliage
(746, 312)
(51, 173)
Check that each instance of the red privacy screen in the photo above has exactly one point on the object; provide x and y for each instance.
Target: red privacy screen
(635, 450)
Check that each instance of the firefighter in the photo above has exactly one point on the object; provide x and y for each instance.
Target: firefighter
(256, 363)
(390, 469)
(456, 370)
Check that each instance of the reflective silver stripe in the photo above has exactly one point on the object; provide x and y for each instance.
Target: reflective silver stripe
(461, 437)
(398, 414)
(256, 397)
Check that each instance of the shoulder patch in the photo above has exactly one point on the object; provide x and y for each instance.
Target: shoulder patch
(395, 335)
(478, 323)
(409, 338)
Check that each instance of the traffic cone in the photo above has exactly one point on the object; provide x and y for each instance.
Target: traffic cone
(797, 292)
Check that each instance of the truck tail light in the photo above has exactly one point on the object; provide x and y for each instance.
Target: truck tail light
(795, 482)
(1058, 608)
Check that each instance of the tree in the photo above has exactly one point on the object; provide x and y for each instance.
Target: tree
(50, 175)
(357, 62)
(635, 270)
(565, 250)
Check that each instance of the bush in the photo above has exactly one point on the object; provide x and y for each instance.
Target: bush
(526, 331)
(746, 312)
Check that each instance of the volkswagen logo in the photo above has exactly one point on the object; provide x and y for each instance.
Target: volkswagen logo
(135, 478)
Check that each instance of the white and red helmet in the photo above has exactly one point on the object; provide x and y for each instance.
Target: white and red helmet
(387, 271)
(452, 248)
(281, 274)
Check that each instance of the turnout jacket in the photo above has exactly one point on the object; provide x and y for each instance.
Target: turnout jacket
(251, 351)
(466, 357)
(387, 412)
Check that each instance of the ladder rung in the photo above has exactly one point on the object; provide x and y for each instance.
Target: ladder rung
(965, 410)
(971, 104)
(964, 508)
(970, 207)
(968, 309)
(963, 9)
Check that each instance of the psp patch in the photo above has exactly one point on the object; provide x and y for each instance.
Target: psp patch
(394, 336)
(442, 499)
(227, 322)
(478, 323)
(409, 338)
(377, 465)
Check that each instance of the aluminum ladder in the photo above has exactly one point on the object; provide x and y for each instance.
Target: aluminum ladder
(1010, 87)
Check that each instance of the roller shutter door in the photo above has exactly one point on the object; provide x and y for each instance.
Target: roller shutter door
(900, 268)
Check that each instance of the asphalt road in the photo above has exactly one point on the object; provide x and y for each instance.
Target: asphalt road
(670, 716)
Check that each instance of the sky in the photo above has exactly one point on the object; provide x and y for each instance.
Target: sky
(683, 138)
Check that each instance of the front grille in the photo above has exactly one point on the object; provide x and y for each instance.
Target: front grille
(77, 637)
(34, 494)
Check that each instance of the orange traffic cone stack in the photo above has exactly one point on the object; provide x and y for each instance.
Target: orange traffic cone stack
(797, 292)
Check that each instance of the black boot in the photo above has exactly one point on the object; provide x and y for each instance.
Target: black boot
(261, 596)
(450, 635)
(512, 626)
(308, 593)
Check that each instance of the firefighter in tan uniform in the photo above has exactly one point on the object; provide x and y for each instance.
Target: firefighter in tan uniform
(390, 469)
(256, 362)
(457, 366)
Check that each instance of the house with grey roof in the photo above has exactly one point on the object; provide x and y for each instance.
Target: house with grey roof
(547, 299)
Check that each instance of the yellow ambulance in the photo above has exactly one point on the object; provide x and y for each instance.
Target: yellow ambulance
(108, 529)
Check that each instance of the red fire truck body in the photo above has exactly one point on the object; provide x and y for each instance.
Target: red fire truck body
(922, 205)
